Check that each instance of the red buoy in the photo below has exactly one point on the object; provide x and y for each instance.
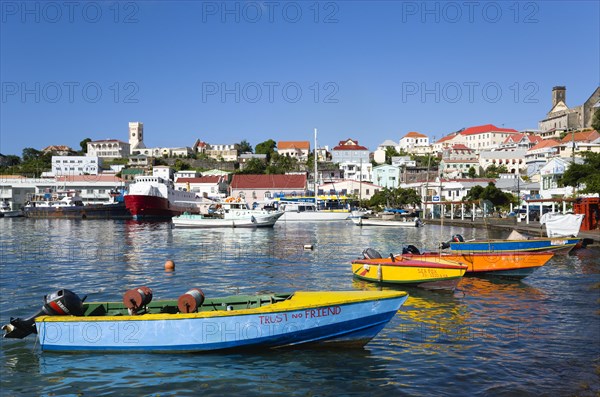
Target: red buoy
(135, 298)
(190, 301)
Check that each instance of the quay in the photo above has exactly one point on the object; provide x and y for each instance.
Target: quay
(533, 228)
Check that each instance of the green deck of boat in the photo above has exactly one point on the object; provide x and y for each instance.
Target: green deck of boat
(236, 302)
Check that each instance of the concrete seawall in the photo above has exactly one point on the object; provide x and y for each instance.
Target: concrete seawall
(531, 229)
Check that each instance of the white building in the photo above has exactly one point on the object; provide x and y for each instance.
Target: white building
(387, 176)
(225, 152)
(209, 186)
(550, 175)
(163, 171)
(108, 148)
(379, 154)
(513, 160)
(76, 165)
(538, 156)
(345, 187)
(296, 149)
(486, 137)
(353, 160)
(186, 174)
(137, 145)
(415, 142)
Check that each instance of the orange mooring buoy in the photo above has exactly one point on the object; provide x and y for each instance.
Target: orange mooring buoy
(169, 265)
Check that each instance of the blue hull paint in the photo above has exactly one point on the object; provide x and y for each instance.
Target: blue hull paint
(550, 244)
(356, 324)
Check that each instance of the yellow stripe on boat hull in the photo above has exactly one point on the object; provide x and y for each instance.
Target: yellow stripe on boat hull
(298, 301)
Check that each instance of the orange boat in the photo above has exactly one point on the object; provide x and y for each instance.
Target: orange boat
(514, 265)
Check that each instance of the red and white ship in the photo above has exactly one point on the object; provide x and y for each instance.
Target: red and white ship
(155, 197)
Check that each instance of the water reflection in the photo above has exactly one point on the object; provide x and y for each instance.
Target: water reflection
(513, 337)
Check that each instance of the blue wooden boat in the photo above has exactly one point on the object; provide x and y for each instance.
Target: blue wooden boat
(195, 324)
(556, 245)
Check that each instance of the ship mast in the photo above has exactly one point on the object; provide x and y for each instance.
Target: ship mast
(315, 181)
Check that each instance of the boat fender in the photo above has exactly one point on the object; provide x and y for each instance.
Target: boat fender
(190, 301)
(60, 303)
(136, 298)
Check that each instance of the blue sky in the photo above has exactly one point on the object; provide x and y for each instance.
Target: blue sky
(227, 71)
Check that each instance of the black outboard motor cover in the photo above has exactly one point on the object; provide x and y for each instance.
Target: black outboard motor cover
(456, 238)
(62, 302)
(370, 253)
(411, 249)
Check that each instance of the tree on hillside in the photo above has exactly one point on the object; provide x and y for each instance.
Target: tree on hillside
(254, 166)
(83, 145)
(282, 164)
(267, 147)
(472, 172)
(494, 171)
(491, 193)
(596, 120)
(584, 174)
(245, 147)
(394, 198)
(389, 153)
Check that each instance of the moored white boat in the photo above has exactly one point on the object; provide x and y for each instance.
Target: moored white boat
(229, 214)
(308, 212)
(372, 221)
(7, 212)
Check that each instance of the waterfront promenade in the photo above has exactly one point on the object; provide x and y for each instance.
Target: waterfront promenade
(531, 229)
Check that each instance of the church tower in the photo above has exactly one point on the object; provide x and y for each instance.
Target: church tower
(559, 93)
(136, 135)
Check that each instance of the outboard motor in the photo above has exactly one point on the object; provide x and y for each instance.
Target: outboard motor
(411, 249)
(370, 253)
(456, 238)
(61, 303)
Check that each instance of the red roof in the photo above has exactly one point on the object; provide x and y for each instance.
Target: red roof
(414, 134)
(545, 143)
(202, 179)
(480, 129)
(302, 145)
(275, 182)
(581, 136)
(345, 145)
(460, 146)
(446, 138)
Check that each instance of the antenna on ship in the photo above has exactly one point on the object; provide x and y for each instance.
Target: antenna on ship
(315, 181)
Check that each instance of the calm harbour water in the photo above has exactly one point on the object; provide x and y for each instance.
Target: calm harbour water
(539, 336)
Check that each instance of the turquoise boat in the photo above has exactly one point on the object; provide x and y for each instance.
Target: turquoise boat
(556, 245)
(194, 324)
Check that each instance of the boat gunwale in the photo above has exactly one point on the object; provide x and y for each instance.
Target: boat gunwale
(411, 263)
(270, 308)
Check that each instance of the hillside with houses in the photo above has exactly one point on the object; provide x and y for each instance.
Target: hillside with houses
(526, 163)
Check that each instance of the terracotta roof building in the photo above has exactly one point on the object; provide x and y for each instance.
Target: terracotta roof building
(295, 149)
(260, 187)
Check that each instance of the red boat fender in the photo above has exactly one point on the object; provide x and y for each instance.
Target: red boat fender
(135, 298)
(190, 301)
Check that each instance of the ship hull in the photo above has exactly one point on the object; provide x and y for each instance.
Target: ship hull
(151, 207)
(93, 211)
